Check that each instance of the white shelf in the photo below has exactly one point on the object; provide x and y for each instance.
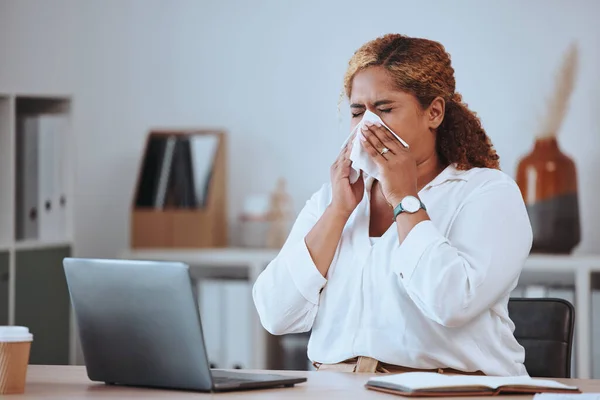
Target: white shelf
(230, 257)
(38, 245)
(41, 168)
(34, 245)
(560, 263)
(13, 107)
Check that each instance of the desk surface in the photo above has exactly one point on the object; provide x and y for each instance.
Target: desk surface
(72, 382)
(222, 257)
(239, 256)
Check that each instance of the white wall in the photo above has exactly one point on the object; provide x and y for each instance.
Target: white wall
(270, 72)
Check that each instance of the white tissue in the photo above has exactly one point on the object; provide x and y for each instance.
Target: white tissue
(361, 161)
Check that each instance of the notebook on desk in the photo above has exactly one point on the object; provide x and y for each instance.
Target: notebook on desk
(429, 384)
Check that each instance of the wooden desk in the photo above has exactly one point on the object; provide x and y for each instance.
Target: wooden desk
(72, 382)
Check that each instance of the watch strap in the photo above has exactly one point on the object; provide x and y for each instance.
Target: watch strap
(399, 209)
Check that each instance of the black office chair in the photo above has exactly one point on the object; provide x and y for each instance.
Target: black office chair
(544, 327)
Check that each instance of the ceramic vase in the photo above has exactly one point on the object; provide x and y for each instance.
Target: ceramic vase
(548, 182)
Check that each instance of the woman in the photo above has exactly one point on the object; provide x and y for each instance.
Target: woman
(413, 271)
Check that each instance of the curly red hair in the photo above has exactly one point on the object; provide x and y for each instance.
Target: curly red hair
(422, 67)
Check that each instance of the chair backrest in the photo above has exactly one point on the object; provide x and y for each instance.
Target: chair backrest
(544, 327)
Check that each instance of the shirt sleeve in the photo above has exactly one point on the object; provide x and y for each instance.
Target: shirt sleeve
(455, 278)
(286, 294)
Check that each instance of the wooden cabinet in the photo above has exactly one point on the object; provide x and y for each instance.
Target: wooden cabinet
(42, 303)
(4, 260)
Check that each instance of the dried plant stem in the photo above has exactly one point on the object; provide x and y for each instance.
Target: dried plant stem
(558, 104)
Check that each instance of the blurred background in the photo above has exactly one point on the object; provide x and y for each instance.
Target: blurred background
(266, 76)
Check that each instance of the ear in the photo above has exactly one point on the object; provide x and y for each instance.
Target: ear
(435, 112)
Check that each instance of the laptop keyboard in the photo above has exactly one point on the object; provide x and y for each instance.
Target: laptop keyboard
(230, 380)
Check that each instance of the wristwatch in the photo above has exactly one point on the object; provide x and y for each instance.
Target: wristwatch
(409, 204)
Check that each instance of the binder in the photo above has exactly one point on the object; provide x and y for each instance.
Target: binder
(150, 173)
(41, 185)
(181, 188)
(27, 178)
(52, 199)
(203, 150)
(212, 299)
(48, 221)
(165, 173)
(59, 126)
(238, 325)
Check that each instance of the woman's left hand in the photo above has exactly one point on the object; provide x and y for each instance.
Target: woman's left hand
(397, 166)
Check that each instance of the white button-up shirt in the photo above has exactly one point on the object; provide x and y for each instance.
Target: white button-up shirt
(438, 300)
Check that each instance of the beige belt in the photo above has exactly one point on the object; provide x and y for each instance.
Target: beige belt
(364, 364)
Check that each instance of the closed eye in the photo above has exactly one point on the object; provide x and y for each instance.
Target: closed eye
(387, 110)
(357, 109)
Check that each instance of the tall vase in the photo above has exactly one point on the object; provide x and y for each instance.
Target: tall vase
(548, 182)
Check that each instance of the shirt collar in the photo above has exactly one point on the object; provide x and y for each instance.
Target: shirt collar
(450, 173)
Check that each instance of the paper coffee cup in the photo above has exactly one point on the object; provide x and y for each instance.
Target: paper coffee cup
(15, 344)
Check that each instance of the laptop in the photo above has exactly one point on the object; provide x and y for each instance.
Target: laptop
(139, 325)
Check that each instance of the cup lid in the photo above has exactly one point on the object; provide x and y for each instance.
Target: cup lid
(15, 334)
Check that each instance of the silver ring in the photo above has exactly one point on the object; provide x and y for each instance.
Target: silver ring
(385, 150)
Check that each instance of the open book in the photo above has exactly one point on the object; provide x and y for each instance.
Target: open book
(429, 384)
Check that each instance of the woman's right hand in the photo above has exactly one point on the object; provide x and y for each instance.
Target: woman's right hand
(346, 196)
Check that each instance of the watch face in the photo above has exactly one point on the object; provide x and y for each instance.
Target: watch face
(411, 204)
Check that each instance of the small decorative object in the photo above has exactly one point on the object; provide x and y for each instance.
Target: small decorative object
(254, 221)
(280, 216)
(548, 178)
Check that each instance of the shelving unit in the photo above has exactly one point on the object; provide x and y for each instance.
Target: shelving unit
(33, 289)
(41, 244)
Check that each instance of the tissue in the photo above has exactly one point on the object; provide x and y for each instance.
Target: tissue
(361, 161)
